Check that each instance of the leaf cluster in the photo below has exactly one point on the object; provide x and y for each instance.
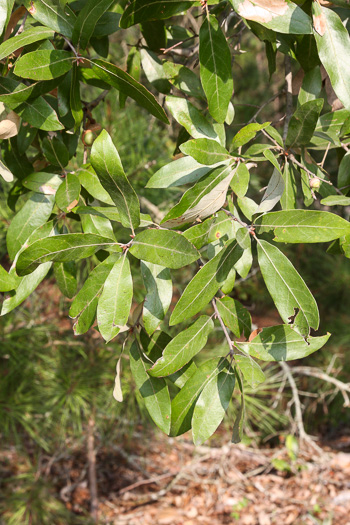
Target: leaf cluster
(72, 210)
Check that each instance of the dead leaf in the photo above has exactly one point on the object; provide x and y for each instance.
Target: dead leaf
(332, 98)
(117, 392)
(298, 81)
(72, 205)
(254, 334)
(209, 204)
(262, 10)
(47, 190)
(9, 126)
(15, 17)
(320, 23)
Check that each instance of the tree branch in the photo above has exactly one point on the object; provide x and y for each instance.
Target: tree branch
(91, 453)
(289, 94)
(227, 335)
(344, 388)
(298, 412)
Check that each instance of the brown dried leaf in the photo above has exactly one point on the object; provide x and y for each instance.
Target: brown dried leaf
(9, 126)
(117, 392)
(332, 98)
(15, 17)
(298, 81)
(262, 10)
(320, 24)
(72, 205)
(254, 334)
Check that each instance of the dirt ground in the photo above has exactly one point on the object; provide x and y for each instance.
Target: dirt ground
(178, 484)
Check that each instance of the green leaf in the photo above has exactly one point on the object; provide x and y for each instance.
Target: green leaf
(34, 213)
(328, 129)
(63, 248)
(235, 316)
(153, 347)
(244, 264)
(219, 227)
(303, 123)
(34, 34)
(75, 101)
(333, 44)
(183, 404)
(247, 206)
(133, 67)
(107, 24)
(178, 172)
(90, 181)
(240, 183)
(25, 287)
(143, 10)
(270, 130)
(237, 431)
(191, 118)
(273, 193)
(65, 275)
(107, 164)
(215, 68)
(39, 114)
(44, 65)
(155, 34)
(247, 133)
(336, 200)
(4, 14)
(67, 195)
(94, 223)
(153, 390)
(183, 79)
(281, 15)
(13, 93)
(157, 280)
(211, 406)
(205, 151)
(163, 247)
(106, 212)
(86, 21)
(7, 281)
(281, 343)
(5, 173)
(294, 301)
(203, 199)
(307, 226)
(311, 86)
(288, 199)
(206, 283)
(119, 79)
(52, 15)
(272, 158)
(344, 172)
(183, 347)
(55, 151)
(251, 371)
(115, 302)
(153, 69)
(41, 182)
(84, 305)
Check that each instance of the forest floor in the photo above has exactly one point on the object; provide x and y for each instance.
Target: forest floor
(175, 483)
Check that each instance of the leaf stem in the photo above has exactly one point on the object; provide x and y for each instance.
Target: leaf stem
(228, 339)
(289, 94)
(243, 224)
